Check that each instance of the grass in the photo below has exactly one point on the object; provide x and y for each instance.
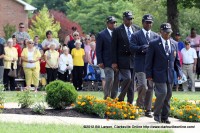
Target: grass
(54, 128)
(11, 96)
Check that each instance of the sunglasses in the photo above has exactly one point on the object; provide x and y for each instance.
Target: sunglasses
(21, 27)
(75, 35)
(31, 43)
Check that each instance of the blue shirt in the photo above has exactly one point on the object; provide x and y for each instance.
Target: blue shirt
(180, 46)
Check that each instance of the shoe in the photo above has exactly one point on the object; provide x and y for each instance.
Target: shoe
(166, 121)
(157, 118)
(148, 114)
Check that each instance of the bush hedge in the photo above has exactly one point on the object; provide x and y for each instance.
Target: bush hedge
(60, 94)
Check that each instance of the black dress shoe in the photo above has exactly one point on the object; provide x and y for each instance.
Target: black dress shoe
(148, 114)
(157, 118)
(166, 121)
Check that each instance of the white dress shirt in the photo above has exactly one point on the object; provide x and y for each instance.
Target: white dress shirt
(130, 29)
(188, 55)
(145, 32)
(110, 31)
(168, 42)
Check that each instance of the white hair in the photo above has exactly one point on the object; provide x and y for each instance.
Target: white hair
(65, 48)
(10, 40)
(78, 42)
(52, 43)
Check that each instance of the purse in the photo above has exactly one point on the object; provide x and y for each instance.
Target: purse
(12, 73)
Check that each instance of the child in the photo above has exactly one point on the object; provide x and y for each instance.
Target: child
(43, 74)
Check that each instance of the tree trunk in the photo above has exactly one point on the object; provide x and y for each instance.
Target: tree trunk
(172, 15)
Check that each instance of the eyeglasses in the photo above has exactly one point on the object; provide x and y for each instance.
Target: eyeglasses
(21, 27)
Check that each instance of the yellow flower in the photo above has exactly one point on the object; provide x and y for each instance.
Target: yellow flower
(114, 113)
(72, 104)
(181, 113)
(190, 117)
(108, 113)
(199, 116)
(1, 106)
(83, 103)
(79, 103)
(79, 97)
(132, 117)
(125, 115)
(91, 103)
(140, 110)
(172, 108)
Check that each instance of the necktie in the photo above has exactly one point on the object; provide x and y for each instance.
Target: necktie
(111, 33)
(129, 33)
(147, 37)
(166, 48)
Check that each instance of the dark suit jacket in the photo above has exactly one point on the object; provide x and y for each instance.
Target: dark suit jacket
(138, 39)
(71, 45)
(121, 54)
(158, 65)
(104, 48)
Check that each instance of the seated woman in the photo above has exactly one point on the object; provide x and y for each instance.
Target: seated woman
(51, 57)
(10, 62)
(30, 57)
(65, 65)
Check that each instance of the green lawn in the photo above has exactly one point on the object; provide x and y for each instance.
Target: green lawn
(52, 128)
(39, 96)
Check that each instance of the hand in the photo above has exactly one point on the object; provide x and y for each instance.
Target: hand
(115, 67)
(149, 79)
(101, 65)
(145, 48)
(179, 77)
(194, 68)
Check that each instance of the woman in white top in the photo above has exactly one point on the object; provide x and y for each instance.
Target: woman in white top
(65, 65)
(45, 44)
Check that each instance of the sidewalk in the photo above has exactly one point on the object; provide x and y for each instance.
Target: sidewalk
(143, 122)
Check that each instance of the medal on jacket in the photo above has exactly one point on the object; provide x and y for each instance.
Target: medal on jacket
(174, 53)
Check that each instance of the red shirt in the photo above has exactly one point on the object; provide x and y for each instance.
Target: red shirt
(19, 49)
(42, 66)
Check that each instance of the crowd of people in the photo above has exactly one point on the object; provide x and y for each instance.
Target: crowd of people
(124, 54)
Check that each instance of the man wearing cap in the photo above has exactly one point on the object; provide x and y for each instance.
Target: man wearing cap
(189, 64)
(122, 58)
(104, 58)
(139, 45)
(160, 63)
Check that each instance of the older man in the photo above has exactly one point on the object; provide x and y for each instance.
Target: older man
(21, 35)
(139, 45)
(160, 63)
(104, 58)
(122, 60)
(189, 64)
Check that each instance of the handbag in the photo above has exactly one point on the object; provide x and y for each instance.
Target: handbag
(12, 73)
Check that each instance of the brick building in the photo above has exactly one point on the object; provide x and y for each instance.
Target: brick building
(14, 12)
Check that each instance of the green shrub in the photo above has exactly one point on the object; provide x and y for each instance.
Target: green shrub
(24, 99)
(9, 30)
(60, 94)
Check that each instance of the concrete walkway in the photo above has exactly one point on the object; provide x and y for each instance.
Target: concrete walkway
(146, 123)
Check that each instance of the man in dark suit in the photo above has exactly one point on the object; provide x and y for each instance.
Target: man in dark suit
(122, 59)
(104, 58)
(139, 46)
(160, 63)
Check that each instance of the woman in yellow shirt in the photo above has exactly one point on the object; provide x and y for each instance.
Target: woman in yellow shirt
(30, 57)
(78, 62)
(10, 62)
(51, 57)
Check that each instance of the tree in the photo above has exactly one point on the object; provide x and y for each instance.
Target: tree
(43, 22)
(59, 5)
(66, 25)
(173, 11)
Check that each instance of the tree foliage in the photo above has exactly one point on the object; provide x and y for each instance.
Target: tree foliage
(59, 5)
(42, 23)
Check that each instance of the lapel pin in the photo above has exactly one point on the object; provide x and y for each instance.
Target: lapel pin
(159, 43)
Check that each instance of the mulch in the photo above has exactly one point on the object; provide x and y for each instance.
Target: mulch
(49, 112)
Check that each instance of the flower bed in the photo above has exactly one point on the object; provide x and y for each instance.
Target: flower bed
(184, 110)
(109, 108)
